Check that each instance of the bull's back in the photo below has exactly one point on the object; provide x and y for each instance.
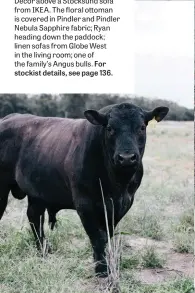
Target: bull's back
(24, 132)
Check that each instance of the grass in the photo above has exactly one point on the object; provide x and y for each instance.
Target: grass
(186, 221)
(131, 261)
(184, 233)
(148, 257)
(175, 286)
(146, 225)
(183, 242)
(151, 259)
(113, 253)
(161, 217)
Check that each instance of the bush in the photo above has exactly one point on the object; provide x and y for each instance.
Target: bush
(150, 258)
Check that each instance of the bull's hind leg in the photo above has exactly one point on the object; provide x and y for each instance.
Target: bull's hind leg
(17, 192)
(35, 213)
(4, 192)
(52, 217)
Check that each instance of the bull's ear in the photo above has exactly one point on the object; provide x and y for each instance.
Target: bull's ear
(158, 114)
(96, 118)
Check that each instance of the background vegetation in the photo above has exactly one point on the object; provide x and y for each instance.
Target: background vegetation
(73, 105)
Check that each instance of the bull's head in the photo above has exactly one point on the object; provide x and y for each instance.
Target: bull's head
(125, 131)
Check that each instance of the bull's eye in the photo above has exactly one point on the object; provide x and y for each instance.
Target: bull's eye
(142, 129)
(110, 130)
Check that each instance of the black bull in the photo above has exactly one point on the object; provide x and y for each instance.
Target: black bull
(59, 163)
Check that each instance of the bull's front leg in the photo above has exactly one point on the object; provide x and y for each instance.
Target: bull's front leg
(99, 242)
(97, 235)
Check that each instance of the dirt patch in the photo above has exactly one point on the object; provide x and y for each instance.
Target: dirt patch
(152, 276)
(173, 209)
(176, 264)
(181, 263)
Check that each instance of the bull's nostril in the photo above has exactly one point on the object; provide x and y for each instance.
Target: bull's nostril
(120, 158)
(127, 159)
(133, 157)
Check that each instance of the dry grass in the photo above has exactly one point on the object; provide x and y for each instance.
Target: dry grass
(113, 252)
(161, 216)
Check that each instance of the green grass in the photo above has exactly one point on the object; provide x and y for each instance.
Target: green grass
(131, 261)
(186, 221)
(176, 286)
(161, 216)
(151, 259)
(146, 225)
(183, 242)
(183, 239)
(148, 257)
(23, 270)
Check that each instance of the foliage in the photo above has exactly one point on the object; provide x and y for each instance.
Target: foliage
(73, 105)
(151, 259)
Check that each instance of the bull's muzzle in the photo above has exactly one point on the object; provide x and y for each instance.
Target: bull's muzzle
(127, 159)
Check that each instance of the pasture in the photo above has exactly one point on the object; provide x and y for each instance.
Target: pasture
(157, 232)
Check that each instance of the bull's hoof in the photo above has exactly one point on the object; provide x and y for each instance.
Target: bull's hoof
(101, 270)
